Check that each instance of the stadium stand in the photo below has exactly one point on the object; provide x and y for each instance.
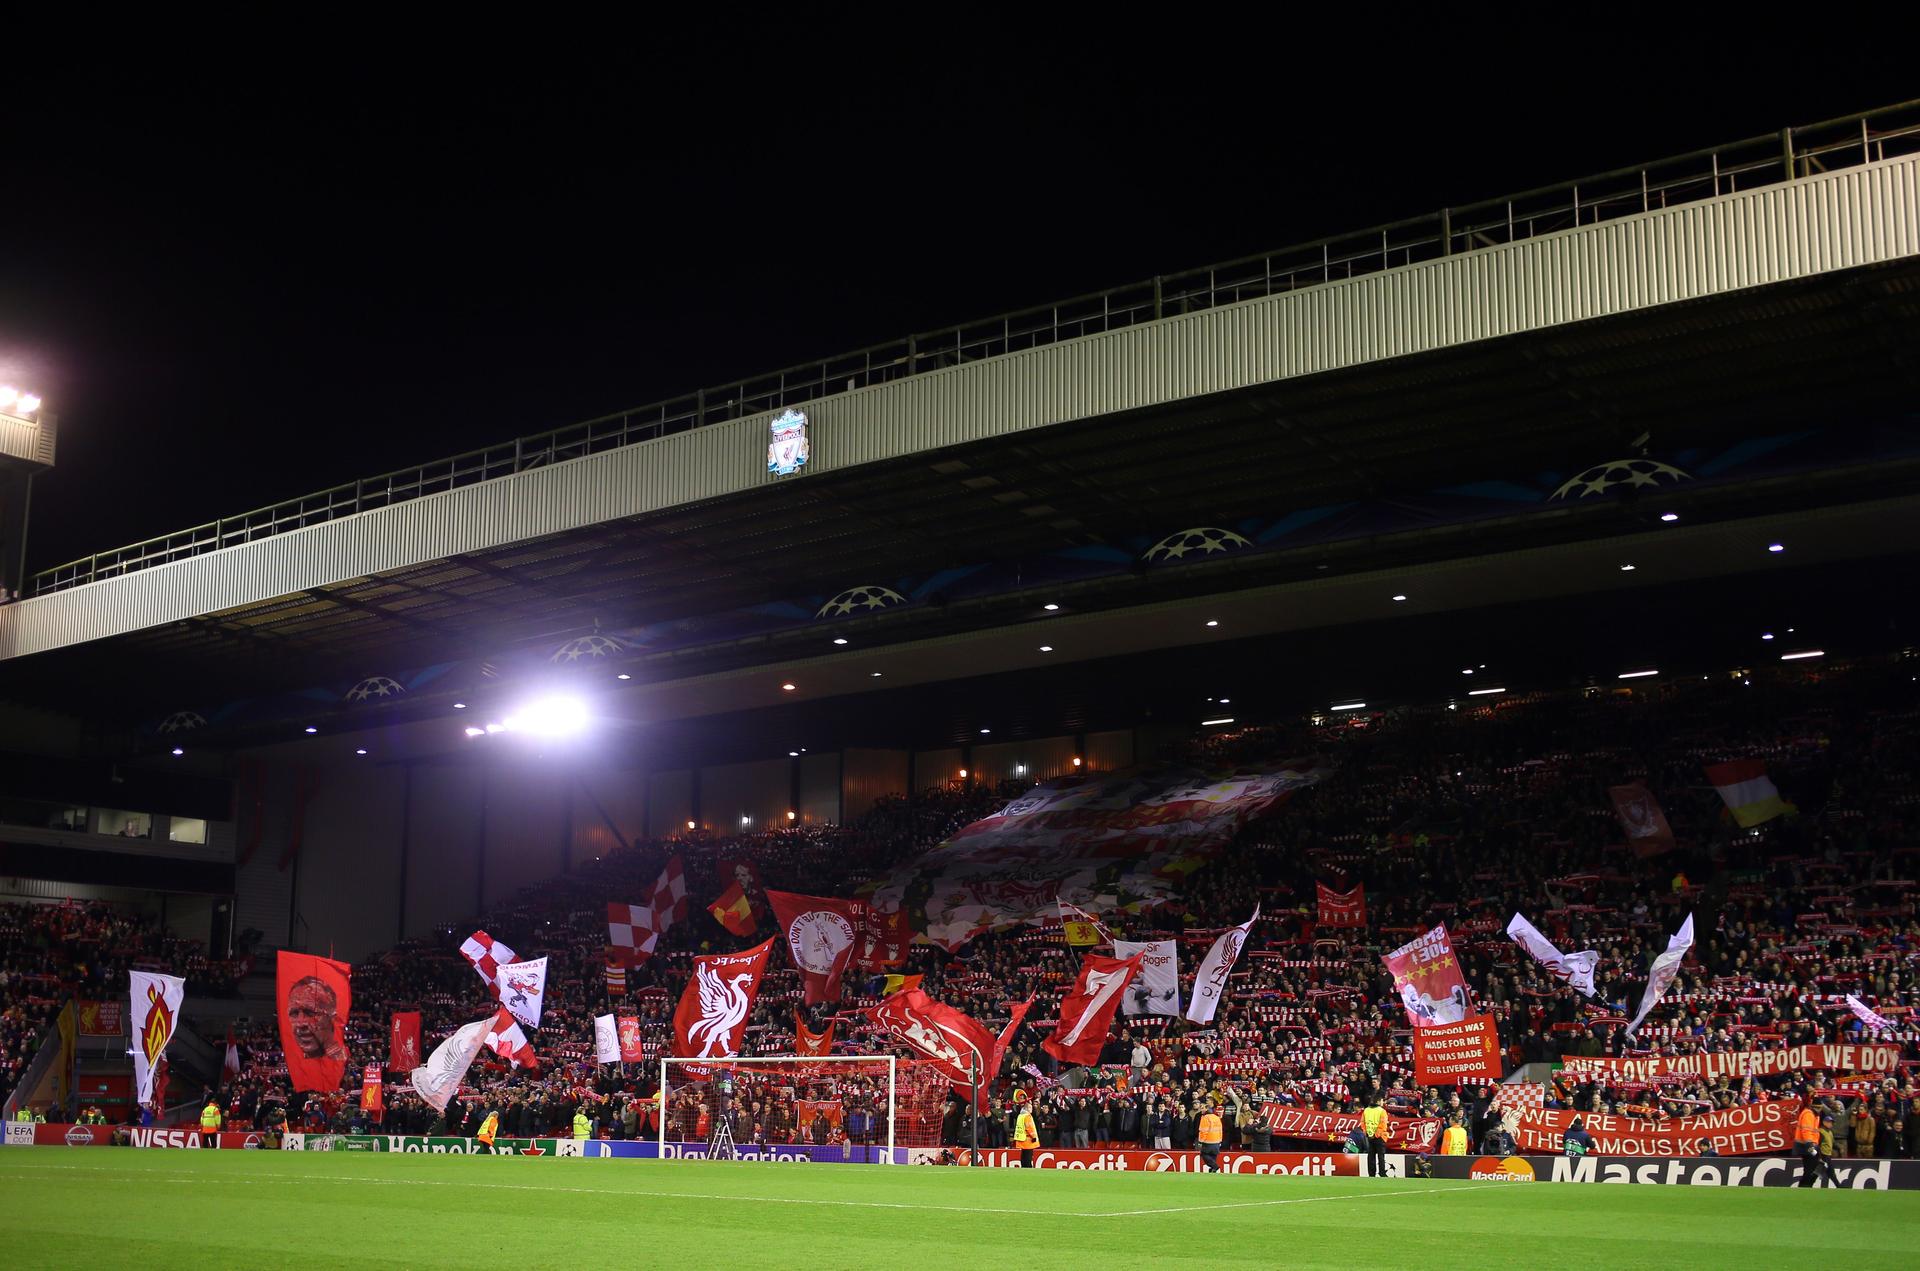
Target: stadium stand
(1463, 816)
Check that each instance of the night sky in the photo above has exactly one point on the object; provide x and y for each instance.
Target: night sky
(237, 287)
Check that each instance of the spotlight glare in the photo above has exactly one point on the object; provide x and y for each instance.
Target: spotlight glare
(1626, 569)
(963, 774)
(1076, 761)
(786, 688)
(1209, 723)
(29, 402)
(459, 706)
(1399, 597)
(1046, 648)
(1804, 653)
(177, 752)
(1213, 622)
(689, 825)
(361, 751)
(1776, 547)
(549, 717)
(476, 732)
(1051, 608)
(1349, 706)
(1669, 516)
(1483, 692)
(792, 815)
(311, 729)
(839, 639)
(1637, 675)
(8, 395)
(623, 676)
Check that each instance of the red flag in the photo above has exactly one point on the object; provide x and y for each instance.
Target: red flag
(1000, 1045)
(733, 911)
(1427, 977)
(806, 1042)
(616, 971)
(1446, 1053)
(631, 1049)
(505, 1039)
(1087, 1012)
(884, 941)
(315, 997)
(1646, 825)
(1343, 908)
(820, 936)
(231, 1068)
(712, 1015)
(370, 1089)
(956, 1043)
(403, 1041)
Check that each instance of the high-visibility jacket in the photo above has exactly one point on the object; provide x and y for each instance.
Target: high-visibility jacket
(582, 1128)
(1453, 1142)
(1210, 1128)
(210, 1118)
(1806, 1129)
(488, 1128)
(1374, 1121)
(1024, 1133)
(24, 1114)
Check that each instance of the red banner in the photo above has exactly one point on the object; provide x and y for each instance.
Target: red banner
(370, 1081)
(1648, 833)
(1404, 1134)
(884, 941)
(632, 1050)
(953, 1040)
(403, 1041)
(807, 1042)
(1446, 1054)
(1086, 1013)
(1754, 1129)
(1427, 977)
(100, 1019)
(820, 932)
(1342, 908)
(315, 1000)
(712, 1015)
(1742, 1063)
(1321, 1164)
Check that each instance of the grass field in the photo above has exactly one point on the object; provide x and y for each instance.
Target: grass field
(114, 1207)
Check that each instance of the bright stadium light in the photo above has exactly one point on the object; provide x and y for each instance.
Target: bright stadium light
(1076, 761)
(689, 825)
(1637, 675)
(311, 730)
(177, 752)
(29, 402)
(1051, 608)
(1804, 653)
(1484, 692)
(1669, 517)
(476, 732)
(8, 396)
(1228, 719)
(1019, 770)
(839, 639)
(459, 706)
(557, 716)
(1349, 706)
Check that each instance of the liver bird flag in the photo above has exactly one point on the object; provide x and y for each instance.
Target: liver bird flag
(712, 1016)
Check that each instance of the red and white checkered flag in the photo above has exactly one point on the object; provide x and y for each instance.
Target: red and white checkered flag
(633, 930)
(486, 955)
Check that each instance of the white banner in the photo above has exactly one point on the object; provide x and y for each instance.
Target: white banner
(606, 1039)
(156, 1013)
(436, 1080)
(523, 987)
(1575, 968)
(1664, 968)
(1210, 982)
(1156, 990)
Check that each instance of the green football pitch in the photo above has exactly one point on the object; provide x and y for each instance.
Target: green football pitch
(113, 1207)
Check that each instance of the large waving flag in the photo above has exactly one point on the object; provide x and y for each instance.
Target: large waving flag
(1648, 833)
(1342, 908)
(1427, 977)
(733, 910)
(633, 930)
(437, 1080)
(316, 1000)
(505, 1039)
(1156, 990)
(1086, 1013)
(1748, 792)
(486, 955)
(958, 1044)
(156, 1013)
(712, 1016)
(523, 989)
(1575, 968)
(820, 933)
(808, 1042)
(1210, 981)
(1664, 969)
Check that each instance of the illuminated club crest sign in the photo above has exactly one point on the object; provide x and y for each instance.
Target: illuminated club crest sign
(787, 452)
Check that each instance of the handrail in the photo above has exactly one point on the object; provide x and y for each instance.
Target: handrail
(1700, 174)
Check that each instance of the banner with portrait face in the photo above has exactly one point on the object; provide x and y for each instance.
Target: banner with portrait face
(315, 996)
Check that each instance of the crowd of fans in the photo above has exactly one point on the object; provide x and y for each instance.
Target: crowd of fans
(1457, 816)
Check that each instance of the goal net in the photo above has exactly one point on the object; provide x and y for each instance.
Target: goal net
(827, 1107)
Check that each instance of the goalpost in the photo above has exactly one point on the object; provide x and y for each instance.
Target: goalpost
(761, 1102)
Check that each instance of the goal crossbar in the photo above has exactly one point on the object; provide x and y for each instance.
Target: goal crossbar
(668, 1062)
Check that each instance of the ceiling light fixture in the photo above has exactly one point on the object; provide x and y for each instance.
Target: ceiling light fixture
(361, 751)
(177, 752)
(459, 706)
(1804, 653)
(1637, 675)
(839, 639)
(1046, 648)
(786, 688)
(1209, 723)
(1626, 569)
(1051, 608)
(1399, 597)
(1213, 622)
(1349, 706)
(311, 729)
(1482, 692)
(1776, 547)
(623, 676)
(1669, 516)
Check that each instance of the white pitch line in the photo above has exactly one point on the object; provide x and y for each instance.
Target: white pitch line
(1290, 1200)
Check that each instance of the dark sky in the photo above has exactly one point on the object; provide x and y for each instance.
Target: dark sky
(237, 287)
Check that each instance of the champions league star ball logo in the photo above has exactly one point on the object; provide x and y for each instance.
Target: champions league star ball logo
(787, 452)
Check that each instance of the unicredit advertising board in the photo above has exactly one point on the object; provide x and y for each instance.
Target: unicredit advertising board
(1319, 1164)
